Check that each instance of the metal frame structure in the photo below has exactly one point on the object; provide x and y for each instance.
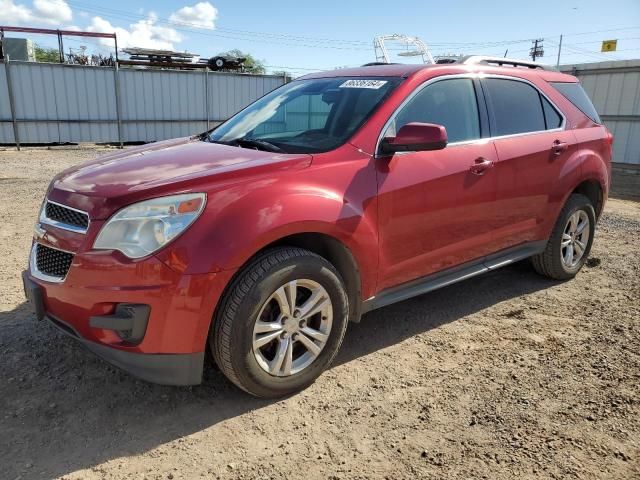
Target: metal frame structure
(59, 34)
(382, 54)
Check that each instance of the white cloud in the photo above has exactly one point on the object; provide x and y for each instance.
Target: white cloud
(144, 33)
(50, 12)
(201, 15)
(14, 14)
(54, 12)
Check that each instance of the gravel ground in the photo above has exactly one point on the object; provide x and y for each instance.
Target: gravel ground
(504, 376)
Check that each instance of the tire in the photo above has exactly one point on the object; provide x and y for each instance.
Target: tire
(552, 262)
(217, 63)
(262, 292)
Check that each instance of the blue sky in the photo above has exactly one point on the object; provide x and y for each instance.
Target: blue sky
(297, 35)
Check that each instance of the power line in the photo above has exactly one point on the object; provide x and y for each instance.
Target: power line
(581, 51)
(600, 41)
(283, 39)
(318, 42)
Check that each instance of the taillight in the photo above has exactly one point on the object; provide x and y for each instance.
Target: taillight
(609, 141)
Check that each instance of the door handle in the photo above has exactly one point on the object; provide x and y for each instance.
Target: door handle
(558, 147)
(480, 165)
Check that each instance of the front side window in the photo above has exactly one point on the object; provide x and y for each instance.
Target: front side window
(514, 107)
(306, 116)
(451, 103)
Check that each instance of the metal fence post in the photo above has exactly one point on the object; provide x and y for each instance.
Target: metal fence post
(12, 103)
(206, 95)
(116, 83)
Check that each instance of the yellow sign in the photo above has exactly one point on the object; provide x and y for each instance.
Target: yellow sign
(609, 45)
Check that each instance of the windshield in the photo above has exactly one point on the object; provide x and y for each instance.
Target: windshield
(306, 116)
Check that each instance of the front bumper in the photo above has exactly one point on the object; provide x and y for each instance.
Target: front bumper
(165, 369)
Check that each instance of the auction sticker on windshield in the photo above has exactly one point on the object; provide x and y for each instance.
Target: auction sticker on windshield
(375, 84)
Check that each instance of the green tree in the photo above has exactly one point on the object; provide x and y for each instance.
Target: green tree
(46, 54)
(251, 64)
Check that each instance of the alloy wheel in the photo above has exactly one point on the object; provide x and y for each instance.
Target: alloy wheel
(575, 238)
(292, 328)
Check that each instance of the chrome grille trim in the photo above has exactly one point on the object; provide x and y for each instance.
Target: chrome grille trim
(80, 227)
(35, 271)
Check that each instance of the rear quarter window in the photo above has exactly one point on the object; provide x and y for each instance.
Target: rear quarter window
(551, 115)
(576, 95)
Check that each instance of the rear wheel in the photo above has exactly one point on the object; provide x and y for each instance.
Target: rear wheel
(281, 322)
(570, 242)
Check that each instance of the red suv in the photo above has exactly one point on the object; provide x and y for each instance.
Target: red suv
(335, 194)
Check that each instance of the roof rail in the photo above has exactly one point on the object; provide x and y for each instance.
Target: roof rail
(480, 59)
(375, 64)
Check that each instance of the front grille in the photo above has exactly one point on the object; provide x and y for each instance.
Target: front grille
(52, 262)
(66, 215)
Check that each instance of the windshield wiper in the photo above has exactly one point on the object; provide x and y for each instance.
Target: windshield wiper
(204, 137)
(257, 143)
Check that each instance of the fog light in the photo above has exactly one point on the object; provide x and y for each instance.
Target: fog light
(129, 321)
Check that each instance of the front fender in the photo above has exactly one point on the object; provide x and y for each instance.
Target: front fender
(242, 219)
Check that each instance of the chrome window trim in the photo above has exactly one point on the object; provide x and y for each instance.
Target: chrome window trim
(64, 226)
(33, 265)
(471, 76)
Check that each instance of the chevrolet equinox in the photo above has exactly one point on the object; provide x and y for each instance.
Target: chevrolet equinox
(333, 195)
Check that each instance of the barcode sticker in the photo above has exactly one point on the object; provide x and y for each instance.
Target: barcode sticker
(374, 84)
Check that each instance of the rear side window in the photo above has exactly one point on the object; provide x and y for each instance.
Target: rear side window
(576, 95)
(551, 116)
(451, 103)
(514, 107)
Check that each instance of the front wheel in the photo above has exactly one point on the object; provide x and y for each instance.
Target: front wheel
(570, 242)
(281, 322)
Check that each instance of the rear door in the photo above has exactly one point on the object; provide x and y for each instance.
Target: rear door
(532, 147)
(437, 208)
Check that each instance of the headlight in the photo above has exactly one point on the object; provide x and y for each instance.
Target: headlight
(142, 228)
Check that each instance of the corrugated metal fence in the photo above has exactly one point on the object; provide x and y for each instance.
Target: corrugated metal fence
(70, 103)
(614, 88)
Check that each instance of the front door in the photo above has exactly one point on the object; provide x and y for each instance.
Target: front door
(437, 208)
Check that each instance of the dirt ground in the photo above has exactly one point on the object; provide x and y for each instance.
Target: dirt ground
(504, 376)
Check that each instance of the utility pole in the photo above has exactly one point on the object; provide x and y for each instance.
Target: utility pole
(60, 47)
(559, 50)
(537, 50)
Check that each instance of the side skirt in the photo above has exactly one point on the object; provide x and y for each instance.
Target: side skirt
(452, 275)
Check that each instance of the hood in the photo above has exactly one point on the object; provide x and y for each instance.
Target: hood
(110, 181)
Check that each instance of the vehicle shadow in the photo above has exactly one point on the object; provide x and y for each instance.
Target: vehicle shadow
(63, 409)
(393, 324)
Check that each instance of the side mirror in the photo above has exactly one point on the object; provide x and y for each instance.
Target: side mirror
(416, 137)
